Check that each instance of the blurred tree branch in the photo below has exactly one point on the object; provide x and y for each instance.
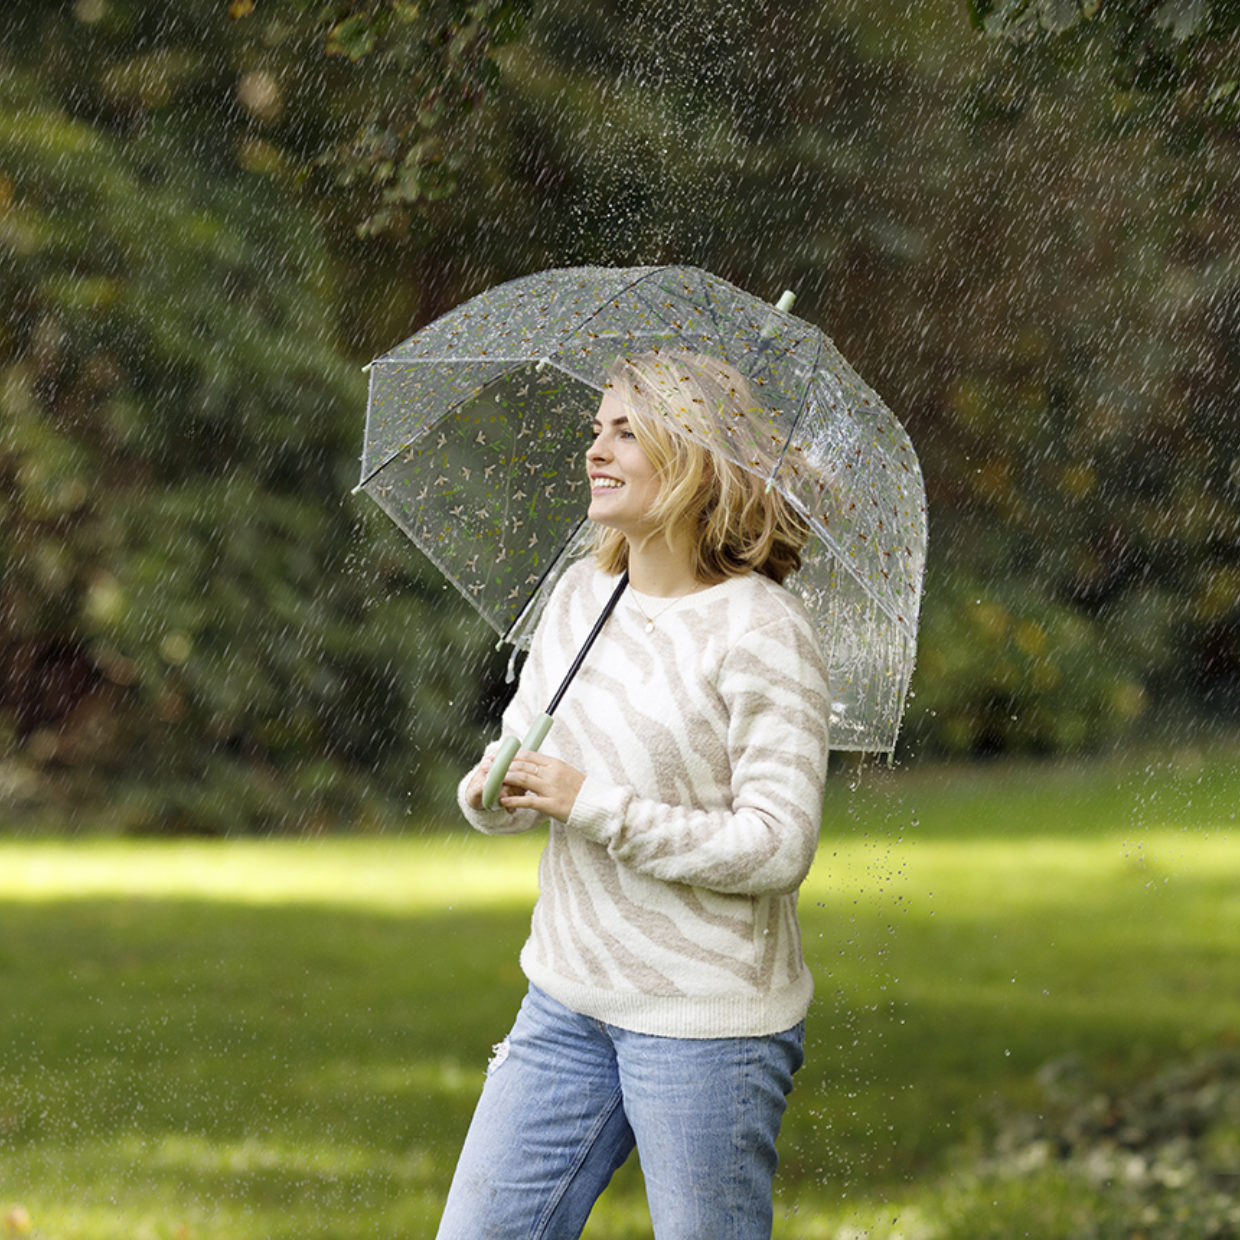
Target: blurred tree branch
(418, 72)
(1155, 45)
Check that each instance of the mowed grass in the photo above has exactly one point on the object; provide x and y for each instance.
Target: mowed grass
(253, 1039)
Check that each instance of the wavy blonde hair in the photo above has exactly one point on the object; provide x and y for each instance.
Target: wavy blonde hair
(679, 403)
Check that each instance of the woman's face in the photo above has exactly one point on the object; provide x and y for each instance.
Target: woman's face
(623, 483)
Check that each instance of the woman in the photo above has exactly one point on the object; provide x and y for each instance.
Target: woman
(683, 785)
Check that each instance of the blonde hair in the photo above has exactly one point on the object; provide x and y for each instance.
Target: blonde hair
(683, 409)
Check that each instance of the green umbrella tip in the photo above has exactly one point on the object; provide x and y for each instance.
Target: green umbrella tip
(783, 305)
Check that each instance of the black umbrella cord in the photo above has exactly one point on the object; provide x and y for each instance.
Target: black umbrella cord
(585, 649)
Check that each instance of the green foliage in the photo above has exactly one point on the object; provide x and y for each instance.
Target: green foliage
(1157, 1158)
(396, 126)
(1101, 440)
(1021, 18)
(1025, 246)
(191, 616)
(1006, 670)
(1166, 45)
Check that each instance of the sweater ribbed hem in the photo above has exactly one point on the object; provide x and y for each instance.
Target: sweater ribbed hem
(680, 1016)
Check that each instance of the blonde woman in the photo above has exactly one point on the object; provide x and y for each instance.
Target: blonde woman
(683, 787)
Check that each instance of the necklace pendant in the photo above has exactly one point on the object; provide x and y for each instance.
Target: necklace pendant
(649, 626)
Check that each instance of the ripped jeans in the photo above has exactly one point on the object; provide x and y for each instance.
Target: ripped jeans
(566, 1099)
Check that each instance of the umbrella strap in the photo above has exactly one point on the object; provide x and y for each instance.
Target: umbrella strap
(585, 649)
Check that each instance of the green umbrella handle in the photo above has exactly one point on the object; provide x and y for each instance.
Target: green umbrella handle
(542, 725)
(504, 756)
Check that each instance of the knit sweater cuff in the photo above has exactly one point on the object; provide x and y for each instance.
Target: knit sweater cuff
(599, 810)
(495, 821)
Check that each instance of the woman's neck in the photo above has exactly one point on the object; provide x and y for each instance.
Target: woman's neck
(662, 568)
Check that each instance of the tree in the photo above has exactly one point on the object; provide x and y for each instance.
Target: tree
(189, 615)
(1141, 532)
(404, 84)
(1168, 46)
(1034, 269)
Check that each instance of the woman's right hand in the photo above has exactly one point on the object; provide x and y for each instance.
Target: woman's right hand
(477, 781)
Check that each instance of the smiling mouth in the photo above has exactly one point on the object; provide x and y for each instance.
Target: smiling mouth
(605, 484)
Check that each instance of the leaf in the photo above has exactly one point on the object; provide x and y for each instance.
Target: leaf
(1223, 92)
(1058, 15)
(353, 38)
(979, 10)
(508, 19)
(1011, 19)
(1183, 18)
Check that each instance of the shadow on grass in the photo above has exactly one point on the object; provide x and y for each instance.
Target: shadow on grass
(245, 1070)
(222, 1019)
(931, 1023)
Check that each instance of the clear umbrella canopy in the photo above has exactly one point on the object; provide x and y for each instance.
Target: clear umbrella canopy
(477, 428)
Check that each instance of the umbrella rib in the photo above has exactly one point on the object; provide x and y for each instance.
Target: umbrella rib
(522, 357)
(537, 590)
(796, 421)
(712, 311)
(820, 530)
(454, 359)
(387, 460)
(707, 306)
(648, 274)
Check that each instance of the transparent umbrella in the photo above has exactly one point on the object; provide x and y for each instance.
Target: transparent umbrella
(477, 427)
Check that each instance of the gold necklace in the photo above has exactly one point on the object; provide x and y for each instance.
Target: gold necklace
(680, 598)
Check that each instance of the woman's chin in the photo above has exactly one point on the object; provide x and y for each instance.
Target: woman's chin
(600, 515)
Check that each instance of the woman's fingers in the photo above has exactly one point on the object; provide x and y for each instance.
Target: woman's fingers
(528, 778)
(528, 770)
(542, 783)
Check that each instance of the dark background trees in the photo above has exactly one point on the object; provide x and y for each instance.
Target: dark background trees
(210, 218)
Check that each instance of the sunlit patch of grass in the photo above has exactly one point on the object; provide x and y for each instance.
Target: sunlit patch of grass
(257, 1038)
(182, 1186)
(400, 875)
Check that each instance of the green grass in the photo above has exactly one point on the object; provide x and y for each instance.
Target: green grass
(277, 1039)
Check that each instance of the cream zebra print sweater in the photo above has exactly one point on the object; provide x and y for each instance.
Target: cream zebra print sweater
(667, 903)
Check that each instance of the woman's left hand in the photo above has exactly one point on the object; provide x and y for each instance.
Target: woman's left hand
(540, 783)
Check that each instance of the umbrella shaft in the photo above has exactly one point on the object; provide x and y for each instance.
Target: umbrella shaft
(585, 649)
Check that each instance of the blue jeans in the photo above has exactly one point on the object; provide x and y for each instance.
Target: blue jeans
(567, 1098)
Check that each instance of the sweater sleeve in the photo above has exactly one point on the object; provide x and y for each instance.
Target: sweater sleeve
(519, 716)
(773, 683)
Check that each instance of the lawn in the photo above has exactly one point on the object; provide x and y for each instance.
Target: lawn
(251, 1039)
